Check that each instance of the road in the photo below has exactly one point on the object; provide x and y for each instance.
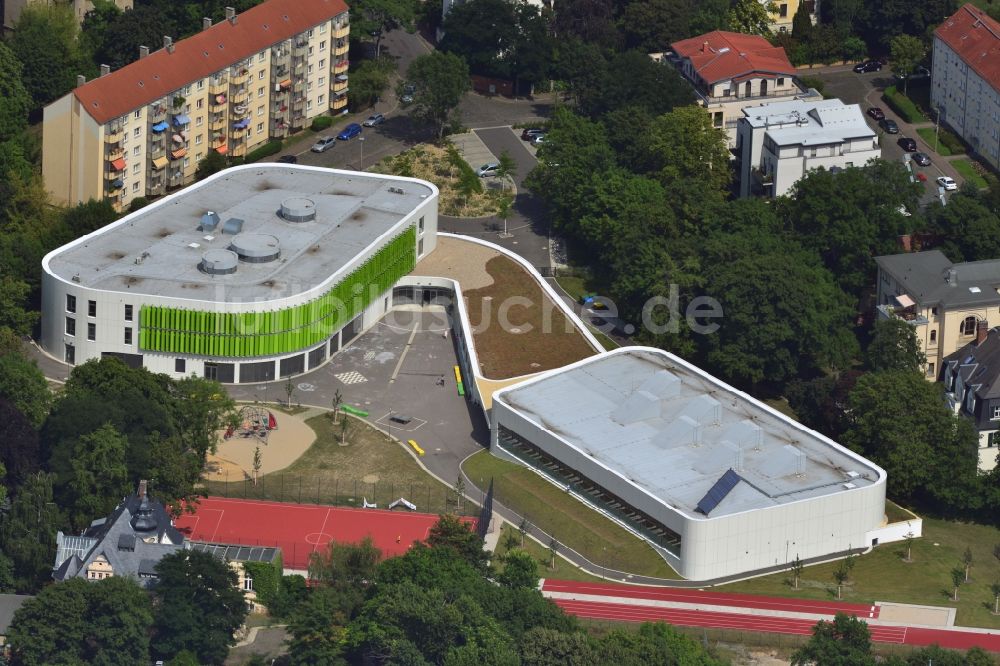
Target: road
(866, 90)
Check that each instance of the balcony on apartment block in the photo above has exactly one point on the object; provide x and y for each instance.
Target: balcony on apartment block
(239, 77)
(338, 102)
(156, 113)
(113, 134)
(341, 48)
(339, 84)
(902, 307)
(217, 122)
(341, 31)
(341, 66)
(218, 102)
(218, 86)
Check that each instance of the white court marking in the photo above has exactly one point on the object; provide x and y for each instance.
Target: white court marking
(352, 377)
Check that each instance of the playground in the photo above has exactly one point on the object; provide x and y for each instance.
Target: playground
(302, 529)
(282, 438)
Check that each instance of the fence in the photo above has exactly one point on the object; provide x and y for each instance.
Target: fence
(337, 490)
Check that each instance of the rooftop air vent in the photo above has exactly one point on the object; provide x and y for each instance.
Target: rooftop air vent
(219, 262)
(298, 209)
(256, 248)
(209, 221)
(232, 226)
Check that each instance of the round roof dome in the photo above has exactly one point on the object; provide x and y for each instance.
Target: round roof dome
(219, 262)
(256, 248)
(298, 209)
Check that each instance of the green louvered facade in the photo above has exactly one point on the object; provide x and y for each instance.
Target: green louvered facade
(254, 334)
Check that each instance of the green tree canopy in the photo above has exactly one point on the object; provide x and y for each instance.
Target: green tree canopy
(751, 17)
(45, 41)
(213, 162)
(894, 346)
(28, 532)
(520, 570)
(198, 606)
(906, 52)
(100, 476)
(15, 101)
(845, 641)
(688, 147)
(652, 25)
(377, 17)
(440, 80)
(23, 384)
(969, 226)
(454, 534)
(18, 444)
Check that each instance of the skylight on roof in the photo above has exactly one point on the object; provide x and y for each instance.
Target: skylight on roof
(975, 290)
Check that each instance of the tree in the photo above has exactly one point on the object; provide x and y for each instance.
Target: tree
(440, 80)
(28, 533)
(840, 575)
(45, 41)
(802, 23)
(377, 17)
(198, 606)
(547, 647)
(503, 212)
(519, 570)
(337, 401)
(650, 25)
(967, 561)
(845, 641)
(78, 621)
(854, 49)
(345, 566)
(925, 450)
(369, 81)
(459, 490)
(213, 162)
(345, 425)
(523, 528)
(751, 17)
(688, 146)
(906, 52)
(506, 169)
(908, 541)
(24, 385)
(13, 299)
(289, 391)
(995, 590)
(482, 33)
(797, 568)
(453, 534)
(100, 476)
(317, 629)
(15, 102)
(509, 541)
(957, 578)
(123, 34)
(895, 346)
(256, 463)
(553, 551)
(969, 227)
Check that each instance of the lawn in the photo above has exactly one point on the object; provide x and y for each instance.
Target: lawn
(927, 134)
(882, 575)
(567, 519)
(968, 171)
(563, 569)
(371, 466)
(517, 328)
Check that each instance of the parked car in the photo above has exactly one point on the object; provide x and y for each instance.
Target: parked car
(489, 169)
(408, 91)
(538, 140)
(373, 120)
(947, 183)
(907, 144)
(324, 144)
(530, 133)
(288, 159)
(349, 132)
(921, 176)
(916, 75)
(889, 125)
(868, 66)
(922, 159)
(876, 113)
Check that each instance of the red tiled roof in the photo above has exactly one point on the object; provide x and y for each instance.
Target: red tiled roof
(720, 56)
(201, 55)
(975, 37)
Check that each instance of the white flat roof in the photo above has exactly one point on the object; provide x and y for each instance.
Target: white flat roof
(158, 249)
(800, 122)
(673, 431)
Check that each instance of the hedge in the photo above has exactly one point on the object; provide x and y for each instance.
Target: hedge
(268, 149)
(321, 123)
(266, 578)
(903, 106)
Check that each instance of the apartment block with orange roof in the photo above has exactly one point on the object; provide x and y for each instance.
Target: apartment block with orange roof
(141, 131)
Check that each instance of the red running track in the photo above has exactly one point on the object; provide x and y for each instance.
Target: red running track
(301, 529)
(712, 598)
(954, 639)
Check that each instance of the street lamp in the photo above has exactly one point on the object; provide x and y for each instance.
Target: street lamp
(361, 140)
(937, 126)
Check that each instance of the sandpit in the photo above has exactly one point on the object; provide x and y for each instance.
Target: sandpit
(233, 459)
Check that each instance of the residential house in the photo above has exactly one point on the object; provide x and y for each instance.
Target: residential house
(785, 10)
(142, 130)
(972, 381)
(965, 79)
(9, 603)
(129, 542)
(730, 71)
(943, 301)
(778, 143)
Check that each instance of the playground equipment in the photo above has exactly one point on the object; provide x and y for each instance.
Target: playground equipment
(253, 421)
(416, 447)
(458, 381)
(354, 411)
(403, 502)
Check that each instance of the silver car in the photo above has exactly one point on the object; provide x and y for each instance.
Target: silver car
(324, 144)
(488, 170)
(373, 120)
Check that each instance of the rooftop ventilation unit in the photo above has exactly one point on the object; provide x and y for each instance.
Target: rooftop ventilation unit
(209, 221)
(218, 262)
(232, 226)
(397, 190)
(256, 248)
(298, 209)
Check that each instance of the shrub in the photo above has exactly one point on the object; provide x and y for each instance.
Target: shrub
(952, 142)
(813, 82)
(321, 123)
(903, 105)
(268, 149)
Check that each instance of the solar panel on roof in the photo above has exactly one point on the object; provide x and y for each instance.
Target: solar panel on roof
(718, 492)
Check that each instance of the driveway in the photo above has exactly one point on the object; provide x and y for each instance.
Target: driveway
(866, 90)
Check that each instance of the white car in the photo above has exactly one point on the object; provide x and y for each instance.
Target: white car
(947, 183)
(324, 144)
(488, 170)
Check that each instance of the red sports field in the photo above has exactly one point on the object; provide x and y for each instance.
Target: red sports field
(301, 529)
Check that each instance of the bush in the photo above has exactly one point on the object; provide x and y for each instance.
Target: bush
(952, 142)
(321, 123)
(813, 82)
(903, 105)
(268, 149)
